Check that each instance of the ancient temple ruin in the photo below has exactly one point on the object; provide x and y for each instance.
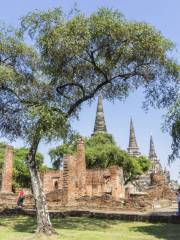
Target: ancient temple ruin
(77, 181)
(100, 182)
(76, 185)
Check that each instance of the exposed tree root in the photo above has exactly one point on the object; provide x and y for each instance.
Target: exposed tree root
(47, 231)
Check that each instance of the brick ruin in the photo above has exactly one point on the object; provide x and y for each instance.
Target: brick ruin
(73, 185)
(7, 174)
(106, 186)
(78, 186)
(77, 182)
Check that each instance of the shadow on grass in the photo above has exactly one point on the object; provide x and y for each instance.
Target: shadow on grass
(82, 223)
(19, 223)
(160, 231)
(28, 224)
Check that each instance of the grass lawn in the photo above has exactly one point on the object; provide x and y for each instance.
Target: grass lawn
(73, 228)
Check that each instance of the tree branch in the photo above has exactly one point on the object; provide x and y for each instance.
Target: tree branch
(86, 97)
(61, 89)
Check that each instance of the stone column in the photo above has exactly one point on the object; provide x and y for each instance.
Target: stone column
(7, 175)
(117, 182)
(81, 167)
(69, 178)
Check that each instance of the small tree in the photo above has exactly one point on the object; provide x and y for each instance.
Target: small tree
(69, 147)
(43, 85)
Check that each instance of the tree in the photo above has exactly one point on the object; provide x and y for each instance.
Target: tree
(69, 61)
(21, 176)
(172, 125)
(102, 152)
(25, 110)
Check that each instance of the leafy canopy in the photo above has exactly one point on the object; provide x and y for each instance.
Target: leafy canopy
(105, 49)
(101, 152)
(70, 60)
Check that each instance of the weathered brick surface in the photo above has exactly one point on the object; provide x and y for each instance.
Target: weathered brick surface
(158, 178)
(7, 174)
(159, 194)
(117, 183)
(81, 168)
(105, 181)
(105, 202)
(70, 178)
(57, 196)
(98, 182)
(52, 180)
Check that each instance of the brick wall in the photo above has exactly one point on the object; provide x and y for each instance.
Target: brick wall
(69, 178)
(52, 180)
(98, 182)
(79, 181)
(117, 182)
(7, 174)
(105, 181)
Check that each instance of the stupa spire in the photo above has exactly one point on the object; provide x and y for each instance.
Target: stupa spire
(100, 125)
(133, 148)
(152, 152)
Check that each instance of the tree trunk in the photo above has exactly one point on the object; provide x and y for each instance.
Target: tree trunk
(43, 220)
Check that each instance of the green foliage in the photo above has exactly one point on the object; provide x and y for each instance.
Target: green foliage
(2, 152)
(102, 152)
(69, 61)
(14, 49)
(25, 94)
(21, 176)
(57, 153)
(107, 47)
(172, 125)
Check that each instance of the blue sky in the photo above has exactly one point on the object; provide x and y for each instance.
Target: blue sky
(164, 15)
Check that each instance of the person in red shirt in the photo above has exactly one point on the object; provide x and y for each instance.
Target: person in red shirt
(21, 197)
